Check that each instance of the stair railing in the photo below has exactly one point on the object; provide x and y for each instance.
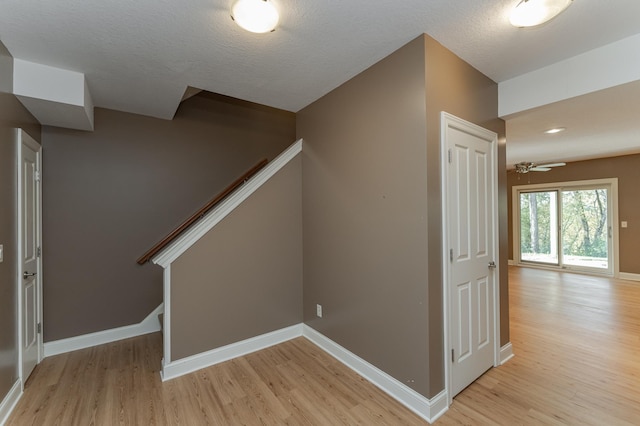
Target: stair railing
(201, 212)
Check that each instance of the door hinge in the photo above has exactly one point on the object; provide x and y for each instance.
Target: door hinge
(449, 156)
(451, 255)
(453, 359)
(37, 175)
(38, 252)
(39, 328)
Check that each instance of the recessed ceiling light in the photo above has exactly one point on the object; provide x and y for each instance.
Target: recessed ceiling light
(555, 130)
(531, 13)
(257, 16)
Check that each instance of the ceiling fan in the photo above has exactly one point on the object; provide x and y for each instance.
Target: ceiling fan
(526, 167)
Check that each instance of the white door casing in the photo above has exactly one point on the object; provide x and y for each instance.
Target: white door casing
(469, 174)
(30, 264)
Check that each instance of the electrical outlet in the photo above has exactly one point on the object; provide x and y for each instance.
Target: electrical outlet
(319, 310)
(623, 224)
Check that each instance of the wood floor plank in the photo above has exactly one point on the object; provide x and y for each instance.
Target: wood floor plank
(576, 341)
(576, 347)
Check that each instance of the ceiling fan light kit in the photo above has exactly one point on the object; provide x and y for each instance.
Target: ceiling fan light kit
(531, 13)
(256, 16)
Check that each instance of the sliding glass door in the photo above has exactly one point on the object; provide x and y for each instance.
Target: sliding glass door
(566, 227)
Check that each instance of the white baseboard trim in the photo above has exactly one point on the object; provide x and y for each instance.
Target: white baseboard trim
(629, 276)
(506, 353)
(215, 356)
(428, 409)
(148, 325)
(511, 262)
(9, 402)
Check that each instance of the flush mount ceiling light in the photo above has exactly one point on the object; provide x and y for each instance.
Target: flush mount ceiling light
(531, 13)
(555, 130)
(257, 16)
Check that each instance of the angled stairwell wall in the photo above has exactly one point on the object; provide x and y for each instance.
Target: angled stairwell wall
(237, 274)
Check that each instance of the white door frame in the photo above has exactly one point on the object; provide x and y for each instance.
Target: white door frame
(22, 138)
(448, 120)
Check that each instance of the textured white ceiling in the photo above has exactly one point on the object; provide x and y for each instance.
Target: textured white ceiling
(139, 56)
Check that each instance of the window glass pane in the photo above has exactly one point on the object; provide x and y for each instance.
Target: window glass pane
(539, 227)
(585, 230)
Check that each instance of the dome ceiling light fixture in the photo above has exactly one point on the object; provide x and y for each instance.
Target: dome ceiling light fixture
(256, 16)
(555, 130)
(531, 13)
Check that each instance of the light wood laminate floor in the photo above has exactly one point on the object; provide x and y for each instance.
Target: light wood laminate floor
(576, 340)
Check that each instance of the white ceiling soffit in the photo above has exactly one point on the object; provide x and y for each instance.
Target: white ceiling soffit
(595, 95)
(141, 56)
(598, 124)
(54, 96)
(598, 69)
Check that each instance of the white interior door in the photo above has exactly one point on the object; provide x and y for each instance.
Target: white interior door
(29, 246)
(470, 171)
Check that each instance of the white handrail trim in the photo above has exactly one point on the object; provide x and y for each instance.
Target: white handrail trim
(215, 216)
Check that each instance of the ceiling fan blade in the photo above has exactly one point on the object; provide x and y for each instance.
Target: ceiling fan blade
(551, 165)
(539, 169)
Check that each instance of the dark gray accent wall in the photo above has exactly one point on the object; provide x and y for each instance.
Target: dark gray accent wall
(244, 277)
(12, 116)
(111, 194)
(627, 169)
(372, 207)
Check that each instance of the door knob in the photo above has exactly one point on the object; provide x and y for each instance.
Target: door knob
(26, 274)
(492, 265)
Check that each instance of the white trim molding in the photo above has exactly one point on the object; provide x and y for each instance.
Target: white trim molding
(215, 216)
(506, 353)
(225, 353)
(148, 325)
(9, 402)
(428, 409)
(166, 318)
(629, 276)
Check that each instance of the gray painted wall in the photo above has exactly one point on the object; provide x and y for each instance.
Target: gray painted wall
(371, 207)
(111, 194)
(12, 115)
(365, 216)
(244, 277)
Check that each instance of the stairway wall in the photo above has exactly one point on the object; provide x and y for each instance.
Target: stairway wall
(244, 277)
(111, 194)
